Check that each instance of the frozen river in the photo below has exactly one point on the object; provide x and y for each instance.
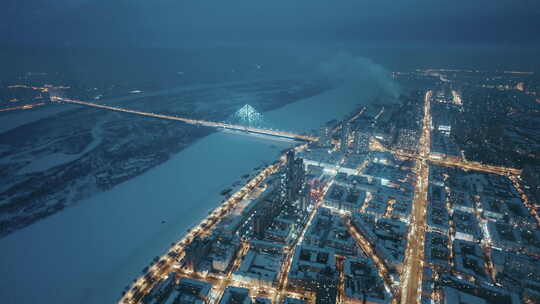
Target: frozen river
(88, 253)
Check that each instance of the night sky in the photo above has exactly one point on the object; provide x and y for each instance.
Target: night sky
(176, 23)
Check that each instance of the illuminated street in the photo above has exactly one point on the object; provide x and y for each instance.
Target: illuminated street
(368, 249)
(412, 275)
(285, 268)
(143, 286)
(267, 152)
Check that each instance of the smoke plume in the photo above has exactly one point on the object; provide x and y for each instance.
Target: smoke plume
(361, 77)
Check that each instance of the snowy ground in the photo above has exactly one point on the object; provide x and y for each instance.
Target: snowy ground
(56, 159)
(11, 120)
(90, 252)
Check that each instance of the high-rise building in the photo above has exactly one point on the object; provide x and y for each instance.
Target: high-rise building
(305, 197)
(196, 251)
(292, 180)
(269, 209)
(260, 223)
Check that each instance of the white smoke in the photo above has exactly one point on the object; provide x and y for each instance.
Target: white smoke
(361, 76)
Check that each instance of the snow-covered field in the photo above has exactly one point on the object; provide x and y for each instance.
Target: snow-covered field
(55, 159)
(11, 120)
(90, 252)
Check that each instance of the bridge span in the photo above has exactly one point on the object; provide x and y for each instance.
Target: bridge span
(205, 123)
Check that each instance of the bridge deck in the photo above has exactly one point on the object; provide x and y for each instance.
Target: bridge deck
(205, 123)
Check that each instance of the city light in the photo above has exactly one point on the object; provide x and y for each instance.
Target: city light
(205, 123)
(406, 289)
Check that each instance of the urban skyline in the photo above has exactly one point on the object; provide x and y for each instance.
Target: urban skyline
(278, 152)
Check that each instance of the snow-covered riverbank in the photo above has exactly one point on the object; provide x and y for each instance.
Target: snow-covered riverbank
(88, 253)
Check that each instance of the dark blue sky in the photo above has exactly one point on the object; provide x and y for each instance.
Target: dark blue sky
(182, 22)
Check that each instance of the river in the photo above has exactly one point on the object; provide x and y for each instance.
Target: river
(89, 252)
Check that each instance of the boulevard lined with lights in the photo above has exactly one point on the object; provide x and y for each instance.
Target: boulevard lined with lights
(207, 225)
(366, 247)
(413, 265)
(411, 276)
